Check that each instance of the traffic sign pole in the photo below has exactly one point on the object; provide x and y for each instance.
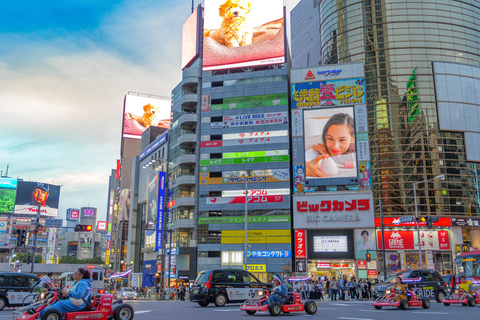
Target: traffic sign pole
(34, 251)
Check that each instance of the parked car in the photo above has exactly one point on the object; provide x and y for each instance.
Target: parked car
(221, 286)
(127, 293)
(428, 283)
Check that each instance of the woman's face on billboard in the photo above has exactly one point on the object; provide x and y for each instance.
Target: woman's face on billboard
(338, 139)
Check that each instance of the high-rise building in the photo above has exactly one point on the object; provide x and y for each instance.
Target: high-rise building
(422, 64)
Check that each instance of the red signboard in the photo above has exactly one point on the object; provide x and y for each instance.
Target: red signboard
(340, 265)
(74, 214)
(372, 274)
(101, 225)
(323, 265)
(108, 245)
(300, 244)
(362, 264)
(207, 144)
(249, 199)
(396, 240)
(442, 222)
(443, 240)
(336, 205)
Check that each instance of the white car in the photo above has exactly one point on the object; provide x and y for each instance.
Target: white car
(127, 293)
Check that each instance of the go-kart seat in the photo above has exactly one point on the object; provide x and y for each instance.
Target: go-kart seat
(289, 298)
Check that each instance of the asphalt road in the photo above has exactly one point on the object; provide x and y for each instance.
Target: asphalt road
(348, 310)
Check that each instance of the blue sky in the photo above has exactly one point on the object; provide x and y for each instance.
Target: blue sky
(65, 67)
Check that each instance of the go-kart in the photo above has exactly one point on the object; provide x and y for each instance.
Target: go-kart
(102, 307)
(293, 304)
(412, 300)
(456, 298)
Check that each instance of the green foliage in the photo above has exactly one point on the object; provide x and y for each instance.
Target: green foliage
(74, 260)
(23, 257)
(7, 200)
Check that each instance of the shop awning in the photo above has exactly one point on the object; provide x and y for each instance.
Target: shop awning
(120, 274)
(299, 278)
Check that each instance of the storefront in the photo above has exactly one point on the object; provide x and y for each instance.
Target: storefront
(333, 232)
(401, 245)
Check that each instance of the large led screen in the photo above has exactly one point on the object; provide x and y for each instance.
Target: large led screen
(330, 143)
(190, 38)
(330, 244)
(8, 188)
(241, 33)
(30, 194)
(140, 113)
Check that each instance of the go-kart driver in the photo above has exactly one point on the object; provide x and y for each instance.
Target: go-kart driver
(399, 289)
(279, 291)
(78, 294)
(466, 287)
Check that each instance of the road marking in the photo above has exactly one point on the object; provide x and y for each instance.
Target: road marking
(370, 310)
(227, 310)
(143, 311)
(326, 308)
(430, 312)
(340, 304)
(353, 318)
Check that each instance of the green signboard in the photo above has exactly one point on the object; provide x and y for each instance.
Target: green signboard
(216, 162)
(241, 219)
(252, 102)
(412, 97)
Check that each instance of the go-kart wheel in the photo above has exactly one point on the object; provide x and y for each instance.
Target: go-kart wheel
(52, 314)
(404, 304)
(471, 302)
(426, 303)
(275, 309)
(250, 312)
(220, 300)
(310, 307)
(446, 304)
(123, 312)
(203, 304)
(378, 307)
(3, 303)
(440, 296)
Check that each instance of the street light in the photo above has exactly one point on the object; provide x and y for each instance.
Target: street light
(440, 176)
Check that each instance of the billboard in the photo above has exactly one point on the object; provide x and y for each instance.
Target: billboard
(101, 225)
(250, 176)
(124, 205)
(73, 214)
(408, 240)
(152, 207)
(241, 33)
(191, 37)
(365, 241)
(160, 209)
(86, 239)
(329, 140)
(330, 244)
(8, 187)
(139, 113)
(30, 193)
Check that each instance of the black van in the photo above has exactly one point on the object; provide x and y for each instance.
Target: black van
(14, 287)
(428, 283)
(221, 286)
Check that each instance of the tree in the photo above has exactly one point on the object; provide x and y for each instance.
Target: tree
(68, 259)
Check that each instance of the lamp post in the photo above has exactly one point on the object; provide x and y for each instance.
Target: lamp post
(440, 176)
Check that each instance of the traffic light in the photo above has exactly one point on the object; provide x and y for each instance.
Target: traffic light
(21, 234)
(430, 220)
(369, 257)
(83, 228)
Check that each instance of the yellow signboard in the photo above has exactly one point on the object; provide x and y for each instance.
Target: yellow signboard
(205, 179)
(256, 267)
(256, 236)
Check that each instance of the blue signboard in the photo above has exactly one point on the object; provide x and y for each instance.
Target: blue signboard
(161, 209)
(269, 254)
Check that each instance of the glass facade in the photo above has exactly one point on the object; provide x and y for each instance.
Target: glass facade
(398, 41)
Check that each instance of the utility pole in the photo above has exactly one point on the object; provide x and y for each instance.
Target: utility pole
(383, 242)
(37, 222)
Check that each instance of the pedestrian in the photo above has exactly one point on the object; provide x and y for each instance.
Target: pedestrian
(327, 286)
(369, 288)
(351, 288)
(312, 289)
(167, 293)
(341, 287)
(319, 290)
(333, 289)
(303, 291)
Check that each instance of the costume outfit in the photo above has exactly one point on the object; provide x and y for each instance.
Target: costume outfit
(80, 290)
(280, 294)
(401, 292)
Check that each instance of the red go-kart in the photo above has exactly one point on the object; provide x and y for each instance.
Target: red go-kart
(293, 304)
(456, 298)
(102, 308)
(404, 304)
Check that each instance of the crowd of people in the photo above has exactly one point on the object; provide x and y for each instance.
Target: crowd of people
(180, 292)
(336, 288)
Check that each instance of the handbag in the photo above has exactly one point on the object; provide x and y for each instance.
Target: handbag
(76, 301)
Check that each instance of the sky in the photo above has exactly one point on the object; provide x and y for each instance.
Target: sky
(65, 67)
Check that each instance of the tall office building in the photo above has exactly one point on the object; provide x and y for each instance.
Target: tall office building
(422, 64)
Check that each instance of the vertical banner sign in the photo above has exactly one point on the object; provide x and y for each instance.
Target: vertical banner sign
(412, 96)
(300, 244)
(161, 209)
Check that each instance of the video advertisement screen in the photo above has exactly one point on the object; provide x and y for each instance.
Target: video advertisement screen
(243, 33)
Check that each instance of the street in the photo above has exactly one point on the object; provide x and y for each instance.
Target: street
(346, 310)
